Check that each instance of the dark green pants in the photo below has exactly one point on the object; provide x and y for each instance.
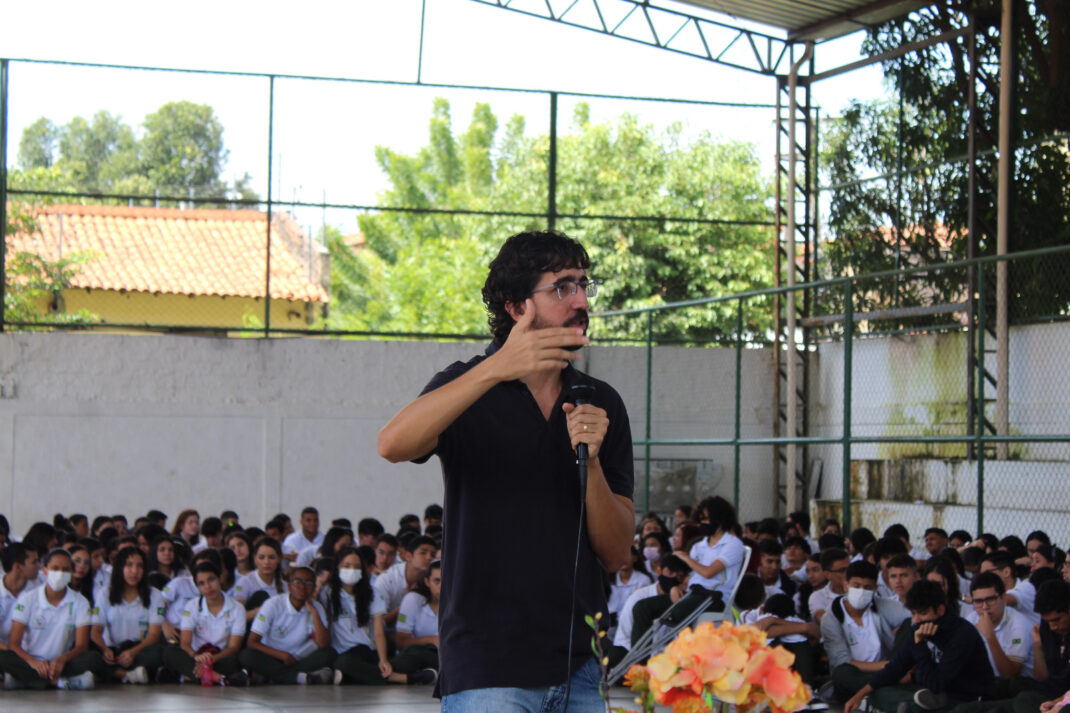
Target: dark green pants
(647, 611)
(276, 671)
(88, 661)
(848, 680)
(151, 657)
(804, 660)
(178, 661)
(416, 658)
(360, 664)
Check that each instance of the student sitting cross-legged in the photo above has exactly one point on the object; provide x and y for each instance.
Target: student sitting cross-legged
(126, 621)
(289, 641)
(212, 629)
(49, 642)
(948, 658)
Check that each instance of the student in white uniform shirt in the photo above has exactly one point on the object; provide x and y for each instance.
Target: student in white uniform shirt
(82, 576)
(265, 581)
(127, 621)
(355, 613)
(308, 536)
(213, 626)
(1019, 594)
(289, 641)
(335, 539)
(21, 566)
(417, 629)
(404, 576)
(49, 642)
(671, 572)
(1008, 635)
(178, 590)
(627, 579)
(715, 560)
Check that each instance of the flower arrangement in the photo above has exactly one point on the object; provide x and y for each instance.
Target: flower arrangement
(726, 663)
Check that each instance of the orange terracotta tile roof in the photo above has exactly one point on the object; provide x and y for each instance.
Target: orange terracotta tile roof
(167, 250)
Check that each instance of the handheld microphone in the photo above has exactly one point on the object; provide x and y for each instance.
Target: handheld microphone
(581, 394)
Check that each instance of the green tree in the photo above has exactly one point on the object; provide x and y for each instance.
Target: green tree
(183, 148)
(922, 218)
(37, 147)
(424, 271)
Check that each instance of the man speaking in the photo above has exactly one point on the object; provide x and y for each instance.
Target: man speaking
(506, 431)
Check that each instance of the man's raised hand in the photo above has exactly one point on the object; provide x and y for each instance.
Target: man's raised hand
(529, 350)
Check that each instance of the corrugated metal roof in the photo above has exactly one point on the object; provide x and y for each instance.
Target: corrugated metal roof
(813, 19)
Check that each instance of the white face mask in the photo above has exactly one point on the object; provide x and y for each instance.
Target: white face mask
(349, 577)
(859, 598)
(651, 553)
(57, 581)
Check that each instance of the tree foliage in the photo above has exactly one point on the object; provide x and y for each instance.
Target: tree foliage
(178, 151)
(423, 271)
(922, 217)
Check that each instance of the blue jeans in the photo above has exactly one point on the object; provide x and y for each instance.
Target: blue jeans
(583, 698)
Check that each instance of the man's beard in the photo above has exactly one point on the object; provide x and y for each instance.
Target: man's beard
(577, 320)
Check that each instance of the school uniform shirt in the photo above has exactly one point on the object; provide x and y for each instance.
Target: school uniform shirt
(416, 617)
(1026, 594)
(392, 585)
(7, 607)
(620, 591)
(50, 630)
(250, 583)
(623, 636)
(786, 638)
(209, 628)
(284, 628)
(127, 621)
(296, 542)
(883, 590)
(821, 598)
(306, 555)
(175, 594)
(729, 550)
(863, 641)
(1015, 636)
(920, 554)
(345, 631)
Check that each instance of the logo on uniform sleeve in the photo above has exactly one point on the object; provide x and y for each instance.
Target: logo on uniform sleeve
(261, 617)
(159, 611)
(94, 611)
(401, 618)
(20, 607)
(1016, 642)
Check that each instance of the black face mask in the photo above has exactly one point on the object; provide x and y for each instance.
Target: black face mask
(707, 529)
(667, 583)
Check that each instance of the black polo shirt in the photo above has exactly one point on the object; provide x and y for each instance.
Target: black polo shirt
(511, 512)
(1057, 657)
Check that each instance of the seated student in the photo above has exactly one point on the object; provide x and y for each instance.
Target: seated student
(959, 539)
(289, 641)
(82, 575)
(308, 536)
(861, 538)
(335, 539)
(178, 590)
(386, 552)
(417, 629)
(239, 543)
(1007, 634)
(432, 515)
(834, 564)
(775, 580)
(857, 639)
(368, 529)
(777, 618)
(353, 607)
(211, 535)
(796, 553)
(627, 579)
(899, 531)
(815, 580)
(266, 581)
(409, 521)
(669, 572)
(1020, 594)
(20, 565)
(49, 641)
(187, 526)
(940, 570)
(884, 550)
(405, 575)
(936, 540)
(163, 558)
(948, 657)
(126, 621)
(229, 518)
(902, 572)
(1046, 556)
(213, 626)
(714, 561)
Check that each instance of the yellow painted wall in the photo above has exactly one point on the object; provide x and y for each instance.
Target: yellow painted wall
(137, 308)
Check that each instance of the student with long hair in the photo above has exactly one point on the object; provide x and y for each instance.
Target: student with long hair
(164, 558)
(264, 582)
(127, 621)
(49, 641)
(213, 626)
(417, 630)
(242, 547)
(335, 539)
(82, 574)
(355, 614)
(188, 526)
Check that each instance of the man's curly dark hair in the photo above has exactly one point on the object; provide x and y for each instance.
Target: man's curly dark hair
(517, 268)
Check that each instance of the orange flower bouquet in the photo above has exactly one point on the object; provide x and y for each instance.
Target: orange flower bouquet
(728, 663)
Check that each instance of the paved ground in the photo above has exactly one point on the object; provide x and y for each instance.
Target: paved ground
(173, 698)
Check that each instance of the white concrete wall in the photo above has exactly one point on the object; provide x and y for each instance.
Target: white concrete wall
(106, 423)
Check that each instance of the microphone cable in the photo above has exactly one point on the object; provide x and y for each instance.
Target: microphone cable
(581, 394)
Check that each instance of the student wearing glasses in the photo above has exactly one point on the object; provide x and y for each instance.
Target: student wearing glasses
(834, 564)
(289, 641)
(1008, 635)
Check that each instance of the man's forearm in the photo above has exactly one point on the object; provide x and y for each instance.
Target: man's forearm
(610, 520)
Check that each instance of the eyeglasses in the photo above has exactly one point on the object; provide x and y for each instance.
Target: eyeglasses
(302, 582)
(838, 570)
(985, 601)
(567, 288)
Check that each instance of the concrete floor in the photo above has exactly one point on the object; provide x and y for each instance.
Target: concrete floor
(174, 698)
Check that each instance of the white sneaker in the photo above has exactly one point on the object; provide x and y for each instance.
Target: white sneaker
(338, 677)
(81, 682)
(136, 675)
(11, 683)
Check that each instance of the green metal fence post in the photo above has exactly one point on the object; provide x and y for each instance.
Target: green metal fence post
(980, 397)
(848, 344)
(739, 393)
(3, 189)
(649, 405)
(271, 156)
(551, 198)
